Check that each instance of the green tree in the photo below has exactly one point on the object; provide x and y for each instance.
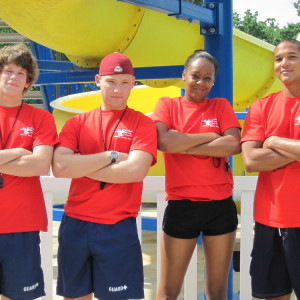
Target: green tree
(195, 1)
(297, 6)
(267, 30)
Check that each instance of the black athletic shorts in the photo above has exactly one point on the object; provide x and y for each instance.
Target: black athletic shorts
(187, 219)
(275, 265)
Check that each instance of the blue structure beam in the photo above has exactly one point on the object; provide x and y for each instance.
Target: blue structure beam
(88, 75)
(180, 9)
(48, 92)
(220, 46)
(52, 65)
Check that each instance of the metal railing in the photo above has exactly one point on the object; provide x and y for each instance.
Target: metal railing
(245, 185)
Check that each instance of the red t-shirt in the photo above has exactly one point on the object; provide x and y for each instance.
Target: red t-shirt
(196, 177)
(82, 134)
(22, 206)
(277, 197)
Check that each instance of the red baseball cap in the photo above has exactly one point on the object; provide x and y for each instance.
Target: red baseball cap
(115, 63)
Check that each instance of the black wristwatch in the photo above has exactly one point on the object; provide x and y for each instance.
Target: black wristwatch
(114, 157)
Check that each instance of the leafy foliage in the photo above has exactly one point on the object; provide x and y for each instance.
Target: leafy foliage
(195, 1)
(297, 6)
(267, 30)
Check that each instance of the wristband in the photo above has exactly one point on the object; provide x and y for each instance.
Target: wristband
(114, 157)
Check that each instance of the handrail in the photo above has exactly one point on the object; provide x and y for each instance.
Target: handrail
(243, 184)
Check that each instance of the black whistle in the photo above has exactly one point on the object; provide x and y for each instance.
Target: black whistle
(102, 185)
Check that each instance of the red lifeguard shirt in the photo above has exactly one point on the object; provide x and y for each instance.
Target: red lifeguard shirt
(22, 206)
(277, 197)
(196, 177)
(82, 134)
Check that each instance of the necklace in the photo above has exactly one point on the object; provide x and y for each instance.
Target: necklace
(3, 145)
(102, 184)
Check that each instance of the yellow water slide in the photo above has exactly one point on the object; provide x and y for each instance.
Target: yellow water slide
(87, 30)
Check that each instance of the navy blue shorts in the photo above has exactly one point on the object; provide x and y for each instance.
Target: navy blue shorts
(275, 264)
(98, 258)
(21, 275)
(185, 219)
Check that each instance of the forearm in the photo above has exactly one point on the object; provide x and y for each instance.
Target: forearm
(177, 142)
(26, 166)
(261, 160)
(286, 147)
(76, 165)
(8, 155)
(134, 169)
(118, 173)
(220, 147)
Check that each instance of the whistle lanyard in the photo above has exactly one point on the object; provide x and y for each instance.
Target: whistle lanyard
(3, 144)
(102, 183)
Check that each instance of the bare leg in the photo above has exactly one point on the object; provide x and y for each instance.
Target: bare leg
(218, 254)
(5, 298)
(175, 258)
(87, 297)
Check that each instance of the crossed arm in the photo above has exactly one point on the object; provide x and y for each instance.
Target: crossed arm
(275, 152)
(24, 163)
(209, 144)
(132, 167)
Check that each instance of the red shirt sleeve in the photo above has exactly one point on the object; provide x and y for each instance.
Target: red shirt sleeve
(253, 128)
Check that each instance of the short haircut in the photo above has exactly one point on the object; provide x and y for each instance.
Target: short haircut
(289, 40)
(201, 54)
(21, 56)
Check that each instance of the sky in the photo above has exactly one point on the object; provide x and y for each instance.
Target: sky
(282, 10)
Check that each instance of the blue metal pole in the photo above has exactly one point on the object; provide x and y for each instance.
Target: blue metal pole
(220, 46)
(48, 92)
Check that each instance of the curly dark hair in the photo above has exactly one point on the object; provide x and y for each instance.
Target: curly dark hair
(21, 56)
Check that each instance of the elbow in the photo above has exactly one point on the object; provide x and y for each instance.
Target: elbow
(42, 169)
(250, 166)
(250, 169)
(162, 146)
(236, 149)
(138, 176)
(58, 171)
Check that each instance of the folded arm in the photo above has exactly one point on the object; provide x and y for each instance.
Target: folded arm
(286, 147)
(7, 155)
(225, 145)
(259, 159)
(34, 163)
(134, 169)
(172, 141)
(68, 164)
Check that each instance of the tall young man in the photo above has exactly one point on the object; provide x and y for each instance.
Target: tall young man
(271, 146)
(27, 137)
(107, 152)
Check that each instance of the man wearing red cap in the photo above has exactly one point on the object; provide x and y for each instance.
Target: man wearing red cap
(107, 152)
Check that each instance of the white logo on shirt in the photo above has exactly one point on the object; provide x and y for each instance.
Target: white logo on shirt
(124, 134)
(117, 288)
(297, 121)
(27, 131)
(31, 287)
(210, 123)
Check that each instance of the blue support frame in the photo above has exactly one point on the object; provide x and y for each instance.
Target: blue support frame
(71, 74)
(180, 9)
(48, 91)
(215, 19)
(220, 46)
